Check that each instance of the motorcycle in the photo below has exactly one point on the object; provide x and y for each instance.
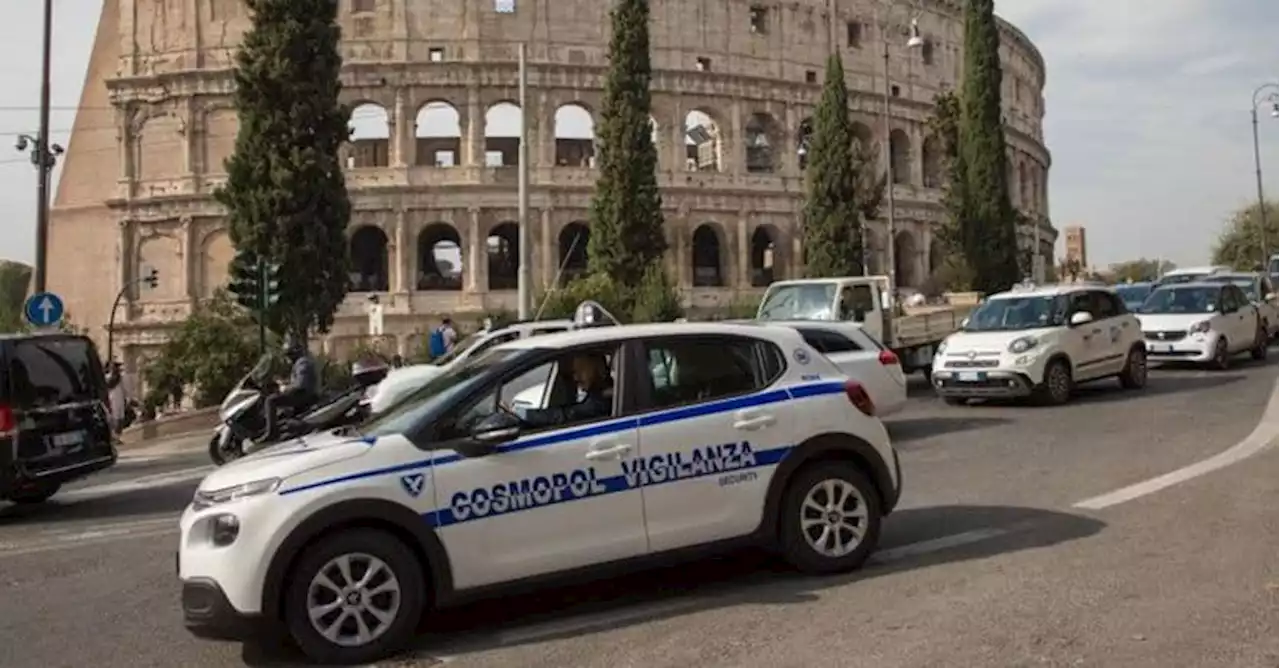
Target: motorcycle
(243, 426)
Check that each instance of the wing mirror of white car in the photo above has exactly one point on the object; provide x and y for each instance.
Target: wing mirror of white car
(489, 433)
(1081, 318)
(1271, 297)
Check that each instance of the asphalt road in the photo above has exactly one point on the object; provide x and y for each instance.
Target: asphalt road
(987, 562)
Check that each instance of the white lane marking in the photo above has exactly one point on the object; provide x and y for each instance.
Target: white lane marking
(1262, 437)
(136, 484)
(88, 538)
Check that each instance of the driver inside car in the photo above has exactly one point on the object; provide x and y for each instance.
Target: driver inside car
(594, 396)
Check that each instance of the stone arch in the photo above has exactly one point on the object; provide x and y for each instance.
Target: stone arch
(761, 135)
(575, 132)
(904, 259)
(863, 137)
(440, 264)
(1036, 202)
(502, 122)
(159, 153)
(220, 128)
(900, 156)
(766, 251)
(1024, 186)
(931, 157)
(708, 256)
(703, 151)
(370, 128)
(437, 132)
(503, 249)
(162, 254)
(369, 260)
(804, 135)
(216, 253)
(574, 238)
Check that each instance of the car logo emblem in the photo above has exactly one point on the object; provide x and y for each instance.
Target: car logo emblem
(801, 355)
(413, 484)
(972, 355)
(1161, 335)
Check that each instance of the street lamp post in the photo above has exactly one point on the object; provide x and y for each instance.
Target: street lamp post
(913, 42)
(152, 279)
(1274, 99)
(43, 154)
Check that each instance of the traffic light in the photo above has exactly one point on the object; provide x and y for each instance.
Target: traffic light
(244, 280)
(270, 284)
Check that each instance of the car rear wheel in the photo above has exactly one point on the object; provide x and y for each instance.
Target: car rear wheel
(355, 597)
(36, 493)
(830, 519)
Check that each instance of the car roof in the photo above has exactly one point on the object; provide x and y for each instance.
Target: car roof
(1208, 285)
(608, 333)
(1052, 290)
(1135, 284)
(1208, 269)
(1234, 275)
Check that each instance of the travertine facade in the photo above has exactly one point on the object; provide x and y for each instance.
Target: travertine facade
(429, 183)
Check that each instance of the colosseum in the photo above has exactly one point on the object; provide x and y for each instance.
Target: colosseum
(431, 166)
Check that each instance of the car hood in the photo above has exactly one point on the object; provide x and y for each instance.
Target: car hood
(287, 459)
(984, 342)
(401, 382)
(1170, 322)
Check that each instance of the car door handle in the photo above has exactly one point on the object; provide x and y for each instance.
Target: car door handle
(608, 451)
(749, 421)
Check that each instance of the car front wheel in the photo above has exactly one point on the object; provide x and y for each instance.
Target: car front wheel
(356, 597)
(830, 519)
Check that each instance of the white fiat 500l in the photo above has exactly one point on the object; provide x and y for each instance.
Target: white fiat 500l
(1206, 323)
(1041, 341)
(343, 540)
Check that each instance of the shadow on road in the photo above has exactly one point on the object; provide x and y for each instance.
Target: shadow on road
(746, 577)
(905, 430)
(1108, 390)
(152, 500)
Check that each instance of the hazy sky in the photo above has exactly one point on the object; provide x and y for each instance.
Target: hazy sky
(1147, 121)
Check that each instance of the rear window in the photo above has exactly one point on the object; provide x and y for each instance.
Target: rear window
(53, 371)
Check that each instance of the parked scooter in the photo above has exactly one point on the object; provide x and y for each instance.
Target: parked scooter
(244, 422)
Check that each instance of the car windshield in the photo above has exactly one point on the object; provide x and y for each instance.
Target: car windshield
(459, 349)
(1133, 295)
(811, 301)
(1010, 314)
(1192, 299)
(1245, 283)
(1177, 279)
(410, 409)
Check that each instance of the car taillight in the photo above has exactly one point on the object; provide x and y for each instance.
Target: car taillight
(7, 423)
(859, 398)
(887, 358)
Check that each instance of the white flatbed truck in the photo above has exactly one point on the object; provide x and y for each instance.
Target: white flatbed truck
(865, 302)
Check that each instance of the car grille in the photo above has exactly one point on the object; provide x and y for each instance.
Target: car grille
(1165, 335)
(973, 364)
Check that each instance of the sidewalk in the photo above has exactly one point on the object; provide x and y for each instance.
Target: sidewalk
(180, 444)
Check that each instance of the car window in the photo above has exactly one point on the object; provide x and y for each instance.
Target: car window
(548, 330)
(51, 371)
(1080, 301)
(705, 368)
(495, 341)
(827, 342)
(1103, 306)
(548, 395)
(1237, 298)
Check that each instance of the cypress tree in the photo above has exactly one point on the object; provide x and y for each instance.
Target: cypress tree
(832, 232)
(626, 219)
(987, 220)
(285, 195)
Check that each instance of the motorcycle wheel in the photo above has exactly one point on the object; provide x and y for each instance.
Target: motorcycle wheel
(220, 455)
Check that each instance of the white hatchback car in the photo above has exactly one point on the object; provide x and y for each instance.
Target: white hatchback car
(343, 540)
(1202, 323)
(1041, 341)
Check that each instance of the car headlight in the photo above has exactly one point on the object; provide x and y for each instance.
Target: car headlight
(1201, 327)
(942, 348)
(1023, 344)
(206, 499)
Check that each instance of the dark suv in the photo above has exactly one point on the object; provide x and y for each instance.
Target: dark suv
(54, 424)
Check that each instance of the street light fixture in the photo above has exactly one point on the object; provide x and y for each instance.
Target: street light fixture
(1274, 99)
(151, 280)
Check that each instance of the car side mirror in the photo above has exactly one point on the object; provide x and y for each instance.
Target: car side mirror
(489, 433)
(1081, 318)
(1271, 297)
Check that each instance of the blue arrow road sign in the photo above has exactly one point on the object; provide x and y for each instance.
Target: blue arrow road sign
(43, 309)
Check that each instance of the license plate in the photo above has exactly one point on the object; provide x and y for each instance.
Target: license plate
(970, 376)
(69, 440)
(1161, 348)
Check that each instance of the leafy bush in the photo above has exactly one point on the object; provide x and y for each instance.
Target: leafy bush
(209, 352)
(654, 300)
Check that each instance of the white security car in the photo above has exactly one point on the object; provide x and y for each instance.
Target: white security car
(1041, 341)
(343, 540)
(1203, 323)
(400, 383)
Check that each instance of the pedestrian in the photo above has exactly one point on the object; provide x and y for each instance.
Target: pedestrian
(443, 338)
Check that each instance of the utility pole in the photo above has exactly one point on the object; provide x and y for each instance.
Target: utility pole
(524, 271)
(42, 157)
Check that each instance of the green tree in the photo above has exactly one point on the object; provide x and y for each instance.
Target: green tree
(987, 224)
(209, 352)
(1139, 270)
(286, 197)
(15, 283)
(626, 212)
(1239, 245)
(954, 272)
(832, 223)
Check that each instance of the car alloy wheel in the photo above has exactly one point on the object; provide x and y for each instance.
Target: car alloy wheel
(353, 599)
(833, 518)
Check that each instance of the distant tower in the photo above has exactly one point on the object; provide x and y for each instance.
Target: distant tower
(1076, 246)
